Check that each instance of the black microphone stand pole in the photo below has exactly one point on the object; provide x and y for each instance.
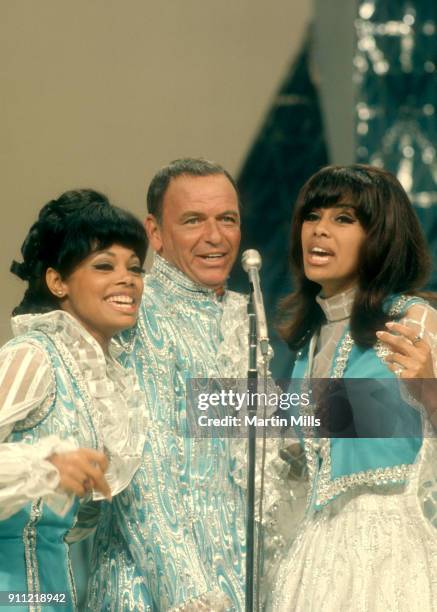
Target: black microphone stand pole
(252, 376)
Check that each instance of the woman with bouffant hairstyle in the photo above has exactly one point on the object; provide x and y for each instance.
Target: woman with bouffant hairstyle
(359, 259)
(394, 257)
(69, 424)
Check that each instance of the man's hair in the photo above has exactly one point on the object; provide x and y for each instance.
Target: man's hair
(187, 166)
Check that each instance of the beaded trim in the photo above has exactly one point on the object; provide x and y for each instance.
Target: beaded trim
(177, 282)
(42, 411)
(343, 355)
(37, 415)
(70, 575)
(327, 488)
(76, 374)
(29, 541)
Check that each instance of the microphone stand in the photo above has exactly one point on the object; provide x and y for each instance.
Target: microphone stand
(252, 376)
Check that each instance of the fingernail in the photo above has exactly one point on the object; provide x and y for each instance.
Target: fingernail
(380, 333)
(389, 324)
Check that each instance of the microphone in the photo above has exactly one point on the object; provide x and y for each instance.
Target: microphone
(251, 262)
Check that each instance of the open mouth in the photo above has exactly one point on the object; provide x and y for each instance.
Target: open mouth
(213, 257)
(122, 303)
(319, 255)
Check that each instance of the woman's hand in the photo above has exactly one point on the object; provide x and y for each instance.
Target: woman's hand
(411, 355)
(411, 360)
(81, 471)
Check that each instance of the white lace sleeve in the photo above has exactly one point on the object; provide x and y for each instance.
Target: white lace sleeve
(423, 319)
(25, 474)
(25, 381)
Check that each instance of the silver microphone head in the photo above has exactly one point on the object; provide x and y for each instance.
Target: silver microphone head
(251, 259)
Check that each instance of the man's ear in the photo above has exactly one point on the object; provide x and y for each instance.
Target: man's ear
(55, 283)
(153, 231)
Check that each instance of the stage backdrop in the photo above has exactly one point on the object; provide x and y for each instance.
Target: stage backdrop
(102, 93)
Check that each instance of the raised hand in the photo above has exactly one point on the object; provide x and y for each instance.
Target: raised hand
(410, 356)
(411, 360)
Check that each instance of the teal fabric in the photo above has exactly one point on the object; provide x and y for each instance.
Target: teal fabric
(44, 565)
(50, 566)
(351, 456)
(80, 555)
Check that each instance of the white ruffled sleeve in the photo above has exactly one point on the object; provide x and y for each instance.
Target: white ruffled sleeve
(26, 381)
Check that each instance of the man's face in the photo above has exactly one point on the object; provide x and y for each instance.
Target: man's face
(199, 231)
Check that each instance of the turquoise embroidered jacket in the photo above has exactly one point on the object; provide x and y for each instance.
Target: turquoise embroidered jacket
(339, 464)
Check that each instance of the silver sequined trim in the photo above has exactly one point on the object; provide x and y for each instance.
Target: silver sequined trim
(328, 488)
(83, 389)
(29, 540)
(343, 356)
(71, 576)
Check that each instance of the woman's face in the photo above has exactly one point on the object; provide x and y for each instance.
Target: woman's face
(104, 291)
(331, 244)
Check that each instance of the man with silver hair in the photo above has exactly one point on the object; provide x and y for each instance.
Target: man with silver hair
(175, 539)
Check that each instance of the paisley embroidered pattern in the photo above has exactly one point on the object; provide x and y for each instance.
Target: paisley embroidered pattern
(180, 524)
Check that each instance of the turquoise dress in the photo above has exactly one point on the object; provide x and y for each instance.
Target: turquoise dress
(367, 540)
(58, 392)
(175, 537)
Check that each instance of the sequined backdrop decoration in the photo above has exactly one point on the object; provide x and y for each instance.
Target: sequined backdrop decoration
(396, 81)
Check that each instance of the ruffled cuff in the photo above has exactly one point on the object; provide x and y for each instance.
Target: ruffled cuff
(213, 600)
(26, 475)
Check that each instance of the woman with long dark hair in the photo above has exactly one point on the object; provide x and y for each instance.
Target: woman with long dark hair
(359, 259)
(67, 408)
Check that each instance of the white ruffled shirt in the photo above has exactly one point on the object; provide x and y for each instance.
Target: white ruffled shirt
(26, 382)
